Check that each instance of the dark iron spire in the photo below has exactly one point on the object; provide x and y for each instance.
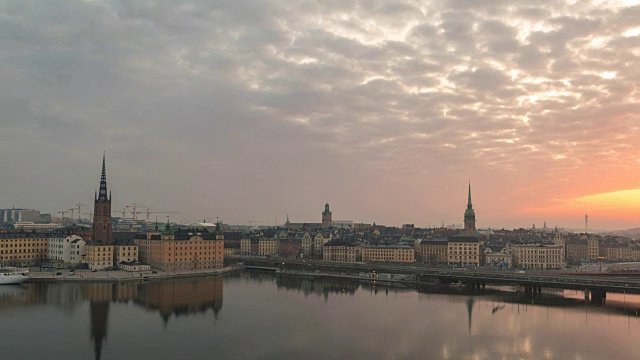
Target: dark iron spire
(469, 206)
(102, 194)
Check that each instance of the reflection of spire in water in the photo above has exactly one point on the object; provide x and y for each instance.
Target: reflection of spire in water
(99, 317)
(470, 302)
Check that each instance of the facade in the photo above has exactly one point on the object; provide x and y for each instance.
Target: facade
(231, 249)
(463, 250)
(268, 247)
(245, 246)
(326, 217)
(404, 254)
(340, 251)
(576, 250)
(290, 247)
(102, 226)
(133, 266)
(432, 251)
(23, 249)
(498, 257)
(469, 218)
(99, 256)
(183, 250)
(593, 248)
(125, 253)
(538, 256)
(318, 243)
(307, 245)
(68, 250)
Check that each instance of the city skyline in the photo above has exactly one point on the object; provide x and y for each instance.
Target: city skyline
(250, 112)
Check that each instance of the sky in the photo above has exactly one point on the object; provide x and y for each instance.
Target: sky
(252, 110)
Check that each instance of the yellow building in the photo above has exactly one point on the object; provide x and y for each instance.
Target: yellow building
(463, 250)
(99, 256)
(432, 251)
(268, 247)
(340, 251)
(388, 253)
(23, 248)
(538, 256)
(125, 253)
(184, 250)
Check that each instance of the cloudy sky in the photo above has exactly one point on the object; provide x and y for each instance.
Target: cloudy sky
(251, 110)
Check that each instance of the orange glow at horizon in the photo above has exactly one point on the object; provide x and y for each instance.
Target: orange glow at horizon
(619, 204)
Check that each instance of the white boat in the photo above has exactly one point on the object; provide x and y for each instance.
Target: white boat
(13, 275)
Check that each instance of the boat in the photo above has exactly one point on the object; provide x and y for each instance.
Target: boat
(13, 275)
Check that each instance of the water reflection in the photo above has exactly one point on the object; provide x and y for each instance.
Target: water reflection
(285, 316)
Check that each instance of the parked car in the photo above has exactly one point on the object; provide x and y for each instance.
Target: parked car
(58, 273)
(94, 270)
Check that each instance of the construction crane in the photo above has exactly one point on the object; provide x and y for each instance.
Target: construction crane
(90, 215)
(149, 212)
(134, 212)
(62, 214)
(71, 211)
(80, 205)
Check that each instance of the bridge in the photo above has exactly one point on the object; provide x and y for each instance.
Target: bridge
(595, 286)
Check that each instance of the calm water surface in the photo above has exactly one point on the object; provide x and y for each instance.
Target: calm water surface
(264, 316)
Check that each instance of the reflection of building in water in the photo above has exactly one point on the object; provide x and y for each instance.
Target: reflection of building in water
(100, 296)
(182, 296)
(320, 287)
(470, 302)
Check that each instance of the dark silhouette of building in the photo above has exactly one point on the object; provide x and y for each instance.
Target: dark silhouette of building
(102, 231)
(469, 217)
(326, 217)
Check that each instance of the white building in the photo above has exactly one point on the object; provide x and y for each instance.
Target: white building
(30, 225)
(69, 250)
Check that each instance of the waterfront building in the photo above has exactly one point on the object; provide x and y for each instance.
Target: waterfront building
(469, 217)
(343, 251)
(99, 256)
(539, 256)
(268, 246)
(432, 251)
(290, 247)
(133, 266)
(318, 243)
(245, 246)
(307, 244)
(102, 226)
(390, 253)
(463, 250)
(187, 249)
(498, 256)
(231, 249)
(594, 247)
(68, 251)
(125, 253)
(326, 217)
(576, 250)
(24, 249)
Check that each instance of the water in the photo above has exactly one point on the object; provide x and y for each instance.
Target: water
(263, 316)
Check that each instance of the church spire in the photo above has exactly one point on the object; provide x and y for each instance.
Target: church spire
(469, 205)
(102, 194)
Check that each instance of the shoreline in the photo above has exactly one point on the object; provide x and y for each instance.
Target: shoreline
(122, 276)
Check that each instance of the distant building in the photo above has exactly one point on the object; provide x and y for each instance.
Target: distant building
(17, 215)
(432, 251)
(538, 256)
(69, 251)
(30, 225)
(469, 217)
(99, 256)
(342, 251)
(381, 253)
(188, 249)
(23, 248)
(326, 217)
(102, 226)
(463, 250)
